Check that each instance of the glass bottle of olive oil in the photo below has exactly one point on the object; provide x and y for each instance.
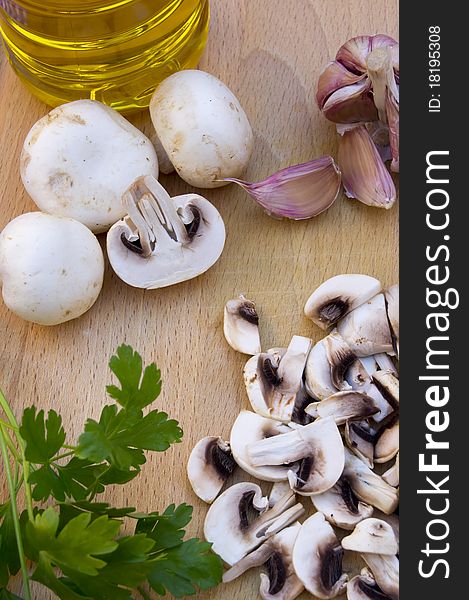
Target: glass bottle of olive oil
(115, 51)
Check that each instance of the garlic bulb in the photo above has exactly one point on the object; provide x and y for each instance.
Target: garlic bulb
(297, 192)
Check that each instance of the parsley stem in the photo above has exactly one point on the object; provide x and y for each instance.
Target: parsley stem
(14, 512)
(67, 447)
(10, 444)
(8, 425)
(143, 593)
(63, 455)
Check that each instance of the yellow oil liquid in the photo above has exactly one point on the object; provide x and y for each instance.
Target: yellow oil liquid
(116, 51)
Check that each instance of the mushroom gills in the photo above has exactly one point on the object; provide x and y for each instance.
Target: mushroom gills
(241, 325)
(385, 571)
(210, 464)
(344, 406)
(317, 558)
(337, 296)
(364, 587)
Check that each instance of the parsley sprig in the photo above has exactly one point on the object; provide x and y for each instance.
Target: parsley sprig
(65, 538)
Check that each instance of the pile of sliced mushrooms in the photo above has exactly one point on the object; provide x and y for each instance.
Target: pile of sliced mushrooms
(323, 424)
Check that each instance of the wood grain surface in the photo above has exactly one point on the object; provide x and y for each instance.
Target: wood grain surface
(269, 52)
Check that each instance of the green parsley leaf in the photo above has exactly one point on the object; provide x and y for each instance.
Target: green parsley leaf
(183, 568)
(137, 391)
(10, 561)
(43, 440)
(45, 574)
(128, 565)
(6, 595)
(46, 483)
(120, 438)
(94, 587)
(166, 529)
(78, 543)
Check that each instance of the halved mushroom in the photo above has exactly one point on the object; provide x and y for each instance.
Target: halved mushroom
(319, 449)
(248, 428)
(340, 506)
(385, 570)
(239, 520)
(326, 366)
(391, 519)
(366, 328)
(391, 476)
(344, 406)
(360, 378)
(317, 558)
(209, 466)
(339, 295)
(241, 325)
(272, 381)
(164, 240)
(364, 587)
(392, 305)
(280, 582)
(372, 536)
(368, 486)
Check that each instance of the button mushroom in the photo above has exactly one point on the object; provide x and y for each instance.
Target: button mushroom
(317, 558)
(239, 520)
(391, 476)
(369, 486)
(241, 325)
(51, 268)
(385, 570)
(344, 406)
(78, 160)
(202, 127)
(340, 506)
(319, 449)
(327, 365)
(248, 428)
(164, 240)
(366, 328)
(339, 295)
(372, 536)
(280, 581)
(364, 587)
(392, 307)
(272, 381)
(210, 464)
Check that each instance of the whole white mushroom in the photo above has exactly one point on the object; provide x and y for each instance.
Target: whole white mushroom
(201, 127)
(78, 160)
(51, 268)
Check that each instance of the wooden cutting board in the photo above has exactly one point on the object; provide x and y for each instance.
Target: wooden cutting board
(269, 52)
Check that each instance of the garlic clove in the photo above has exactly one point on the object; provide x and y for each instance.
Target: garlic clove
(353, 54)
(333, 77)
(297, 192)
(364, 175)
(351, 104)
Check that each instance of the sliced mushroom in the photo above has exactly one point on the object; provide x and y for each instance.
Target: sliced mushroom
(239, 520)
(392, 305)
(319, 449)
(272, 381)
(372, 536)
(360, 439)
(366, 329)
(326, 366)
(277, 491)
(339, 295)
(248, 428)
(364, 587)
(317, 558)
(241, 326)
(368, 486)
(359, 377)
(387, 445)
(391, 476)
(388, 386)
(164, 240)
(392, 520)
(340, 506)
(385, 363)
(209, 466)
(280, 581)
(385, 570)
(344, 406)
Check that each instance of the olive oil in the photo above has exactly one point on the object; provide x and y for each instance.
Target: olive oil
(115, 51)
